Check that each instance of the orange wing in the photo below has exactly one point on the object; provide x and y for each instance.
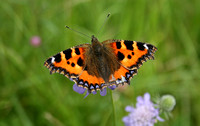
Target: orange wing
(90, 82)
(69, 62)
(131, 54)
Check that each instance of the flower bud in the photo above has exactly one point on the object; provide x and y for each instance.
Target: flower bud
(167, 103)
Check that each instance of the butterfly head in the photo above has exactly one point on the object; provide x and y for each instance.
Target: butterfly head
(96, 45)
(94, 39)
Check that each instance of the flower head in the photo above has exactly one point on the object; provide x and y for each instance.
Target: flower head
(82, 90)
(35, 41)
(78, 89)
(144, 114)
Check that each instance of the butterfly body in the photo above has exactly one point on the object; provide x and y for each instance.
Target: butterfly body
(100, 60)
(98, 65)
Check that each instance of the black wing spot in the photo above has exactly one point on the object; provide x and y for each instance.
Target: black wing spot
(132, 53)
(68, 62)
(140, 46)
(57, 58)
(49, 61)
(77, 51)
(72, 64)
(129, 56)
(129, 44)
(118, 44)
(80, 61)
(150, 46)
(68, 54)
(120, 56)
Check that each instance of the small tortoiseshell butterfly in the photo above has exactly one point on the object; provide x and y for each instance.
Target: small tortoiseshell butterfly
(99, 65)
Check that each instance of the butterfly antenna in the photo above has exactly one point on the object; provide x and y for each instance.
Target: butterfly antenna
(103, 23)
(77, 31)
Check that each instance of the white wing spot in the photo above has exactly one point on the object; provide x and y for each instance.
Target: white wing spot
(52, 59)
(145, 45)
(113, 78)
(123, 79)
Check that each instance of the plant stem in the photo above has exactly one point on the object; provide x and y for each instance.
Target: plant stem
(113, 108)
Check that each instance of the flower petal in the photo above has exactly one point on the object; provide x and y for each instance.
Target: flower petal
(126, 120)
(160, 119)
(112, 87)
(35, 41)
(78, 89)
(94, 92)
(147, 97)
(87, 94)
(129, 109)
(70, 79)
(144, 114)
(103, 92)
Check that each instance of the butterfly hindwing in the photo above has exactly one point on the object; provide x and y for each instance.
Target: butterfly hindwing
(90, 82)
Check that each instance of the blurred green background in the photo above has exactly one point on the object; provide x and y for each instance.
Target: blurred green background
(30, 96)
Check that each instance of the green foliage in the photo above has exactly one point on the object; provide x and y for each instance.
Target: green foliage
(30, 96)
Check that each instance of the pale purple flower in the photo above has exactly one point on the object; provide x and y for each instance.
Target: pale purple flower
(78, 89)
(103, 92)
(112, 87)
(144, 114)
(82, 90)
(35, 41)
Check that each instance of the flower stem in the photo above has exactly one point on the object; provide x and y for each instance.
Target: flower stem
(113, 108)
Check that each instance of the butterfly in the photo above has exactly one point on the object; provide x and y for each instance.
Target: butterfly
(98, 65)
